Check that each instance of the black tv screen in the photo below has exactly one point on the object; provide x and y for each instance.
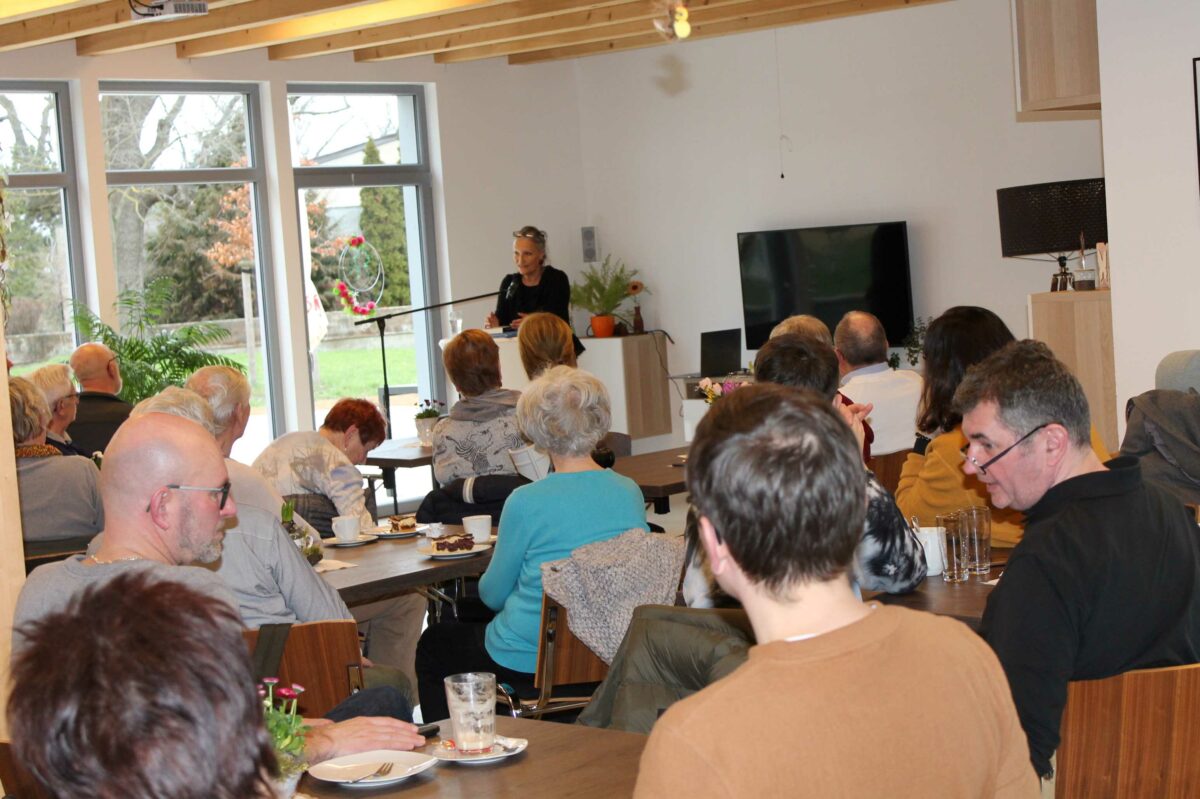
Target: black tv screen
(825, 272)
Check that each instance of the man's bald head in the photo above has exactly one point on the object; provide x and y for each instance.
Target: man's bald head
(151, 451)
(96, 368)
(860, 340)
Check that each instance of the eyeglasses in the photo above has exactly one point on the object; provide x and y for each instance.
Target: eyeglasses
(223, 490)
(983, 467)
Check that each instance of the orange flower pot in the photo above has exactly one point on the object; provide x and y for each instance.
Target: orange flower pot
(602, 326)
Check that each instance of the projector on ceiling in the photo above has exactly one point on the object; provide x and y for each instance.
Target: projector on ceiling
(172, 9)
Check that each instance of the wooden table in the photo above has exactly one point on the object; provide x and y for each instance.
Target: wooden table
(962, 601)
(400, 453)
(388, 567)
(563, 760)
(658, 474)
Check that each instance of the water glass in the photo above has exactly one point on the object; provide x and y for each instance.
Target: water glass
(472, 701)
(977, 532)
(456, 322)
(953, 549)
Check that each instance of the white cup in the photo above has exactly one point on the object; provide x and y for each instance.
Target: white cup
(478, 527)
(345, 528)
(931, 542)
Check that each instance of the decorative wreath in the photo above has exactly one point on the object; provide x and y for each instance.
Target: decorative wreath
(361, 282)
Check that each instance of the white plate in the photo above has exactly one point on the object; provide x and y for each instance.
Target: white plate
(350, 767)
(497, 753)
(363, 538)
(385, 531)
(428, 551)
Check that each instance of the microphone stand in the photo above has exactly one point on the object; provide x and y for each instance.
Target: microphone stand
(381, 323)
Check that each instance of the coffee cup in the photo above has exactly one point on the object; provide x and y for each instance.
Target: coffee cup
(345, 528)
(478, 527)
(931, 542)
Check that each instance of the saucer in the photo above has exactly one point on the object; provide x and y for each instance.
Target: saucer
(363, 538)
(441, 752)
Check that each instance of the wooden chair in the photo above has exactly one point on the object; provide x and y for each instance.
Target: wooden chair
(18, 783)
(562, 660)
(1132, 735)
(324, 657)
(887, 468)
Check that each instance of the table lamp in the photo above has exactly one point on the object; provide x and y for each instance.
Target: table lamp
(1060, 220)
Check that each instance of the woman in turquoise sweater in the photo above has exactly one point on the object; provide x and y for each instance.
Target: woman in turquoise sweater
(565, 412)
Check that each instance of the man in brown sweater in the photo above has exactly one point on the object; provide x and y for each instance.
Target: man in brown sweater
(839, 698)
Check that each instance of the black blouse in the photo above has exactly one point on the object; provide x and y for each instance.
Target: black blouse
(552, 294)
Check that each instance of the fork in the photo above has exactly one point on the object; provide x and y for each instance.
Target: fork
(382, 771)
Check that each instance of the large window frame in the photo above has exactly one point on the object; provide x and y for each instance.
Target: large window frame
(431, 379)
(254, 175)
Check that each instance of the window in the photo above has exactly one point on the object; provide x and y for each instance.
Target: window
(365, 198)
(185, 177)
(37, 156)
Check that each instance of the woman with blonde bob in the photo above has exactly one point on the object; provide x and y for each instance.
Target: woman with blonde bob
(564, 412)
(545, 340)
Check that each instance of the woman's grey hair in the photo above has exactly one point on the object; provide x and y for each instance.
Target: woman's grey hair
(56, 382)
(536, 235)
(30, 414)
(224, 388)
(565, 411)
(178, 401)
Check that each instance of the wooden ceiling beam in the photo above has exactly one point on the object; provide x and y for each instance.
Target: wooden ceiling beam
(440, 24)
(320, 24)
(233, 16)
(16, 10)
(844, 8)
(59, 25)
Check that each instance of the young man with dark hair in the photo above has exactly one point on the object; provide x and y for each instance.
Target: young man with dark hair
(1107, 576)
(838, 698)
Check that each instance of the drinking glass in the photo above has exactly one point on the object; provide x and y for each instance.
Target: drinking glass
(953, 547)
(456, 322)
(977, 533)
(471, 698)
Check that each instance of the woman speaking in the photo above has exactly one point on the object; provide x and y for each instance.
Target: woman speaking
(535, 286)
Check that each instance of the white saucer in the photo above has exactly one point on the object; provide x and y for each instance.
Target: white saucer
(363, 538)
(351, 767)
(385, 531)
(428, 551)
(478, 759)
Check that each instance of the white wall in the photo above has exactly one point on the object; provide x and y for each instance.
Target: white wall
(905, 114)
(1146, 87)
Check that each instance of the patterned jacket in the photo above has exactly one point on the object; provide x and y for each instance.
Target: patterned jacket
(476, 437)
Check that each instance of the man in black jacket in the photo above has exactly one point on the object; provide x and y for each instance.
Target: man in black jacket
(101, 411)
(1107, 576)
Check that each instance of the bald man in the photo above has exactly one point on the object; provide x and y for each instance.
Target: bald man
(100, 411)
(862, 350)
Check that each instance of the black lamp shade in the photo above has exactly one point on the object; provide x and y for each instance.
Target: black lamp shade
(1048, 217)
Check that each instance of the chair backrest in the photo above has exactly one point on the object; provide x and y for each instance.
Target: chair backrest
(18, 783)
(620, 444)
(562, 657)
(887, 468)
(1132, 735)
(324, 657)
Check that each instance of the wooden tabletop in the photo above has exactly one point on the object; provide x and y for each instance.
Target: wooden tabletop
(563, 760)
(962, 601)
(658, 474)
(387, 567)
(400, 453)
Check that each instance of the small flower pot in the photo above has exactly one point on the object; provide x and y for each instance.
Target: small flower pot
(602, 326)
(425, 430)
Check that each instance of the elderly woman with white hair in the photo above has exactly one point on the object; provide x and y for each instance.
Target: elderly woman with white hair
(565, 412)
(57, 383)
(60, 494)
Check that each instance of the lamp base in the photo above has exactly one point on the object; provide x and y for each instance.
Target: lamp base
(1062, 280)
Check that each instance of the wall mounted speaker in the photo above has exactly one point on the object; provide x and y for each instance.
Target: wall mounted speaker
(588, 235)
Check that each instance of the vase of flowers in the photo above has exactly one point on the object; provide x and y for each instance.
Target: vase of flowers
(304, 540)
(287, 730)
(602, 291)
(715, 389)
(428, 412)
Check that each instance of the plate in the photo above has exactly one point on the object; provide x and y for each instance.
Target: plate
(428, 551)
(363, 538)
(350, 767)
(385, 531)
(518, 745)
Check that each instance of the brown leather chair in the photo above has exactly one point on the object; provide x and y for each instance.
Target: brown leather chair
(324, 657)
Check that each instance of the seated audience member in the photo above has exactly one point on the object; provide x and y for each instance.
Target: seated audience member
(166, 499)
(544, 340)
(100, 411)
(862, 351)
(1107, 577)
(58, 387)
(155, 698)
(320, 468)
(838, 698)
(60, 496)
(564, 412)
(474, 439)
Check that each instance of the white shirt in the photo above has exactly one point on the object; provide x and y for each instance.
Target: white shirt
(895, 394)
(306, 463)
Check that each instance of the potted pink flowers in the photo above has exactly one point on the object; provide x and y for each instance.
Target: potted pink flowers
(287, 730)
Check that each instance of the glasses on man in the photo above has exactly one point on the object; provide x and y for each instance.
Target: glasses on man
(983, 467)
(223, 490)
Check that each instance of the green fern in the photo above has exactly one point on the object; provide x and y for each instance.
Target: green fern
(152, 358)
(602, 290)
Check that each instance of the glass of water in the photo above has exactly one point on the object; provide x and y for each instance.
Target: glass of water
(953, 549)
(471, 699)
(456, 322)
(977, 532)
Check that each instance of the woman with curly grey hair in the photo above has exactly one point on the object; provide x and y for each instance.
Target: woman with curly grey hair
(565, 412)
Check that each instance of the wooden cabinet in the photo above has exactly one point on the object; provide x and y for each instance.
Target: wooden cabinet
(1077, 326)
(1057, 52)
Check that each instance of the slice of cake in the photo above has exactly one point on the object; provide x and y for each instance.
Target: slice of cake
(403, 524)
(454, 543)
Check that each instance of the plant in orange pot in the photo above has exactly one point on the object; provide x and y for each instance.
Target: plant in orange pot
(602, 291)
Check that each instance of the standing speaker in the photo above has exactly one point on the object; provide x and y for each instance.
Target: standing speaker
(589, 244)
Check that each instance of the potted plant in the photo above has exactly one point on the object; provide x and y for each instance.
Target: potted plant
(601, 292)
(429, 411)
(305, 541)
(288, 732)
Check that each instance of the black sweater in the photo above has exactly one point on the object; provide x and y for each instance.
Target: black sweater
(552, 294)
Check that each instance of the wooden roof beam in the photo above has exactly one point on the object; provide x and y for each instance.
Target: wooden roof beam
(14, 10)
(59, 25)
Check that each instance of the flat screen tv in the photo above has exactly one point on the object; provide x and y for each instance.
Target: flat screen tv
(826, 271)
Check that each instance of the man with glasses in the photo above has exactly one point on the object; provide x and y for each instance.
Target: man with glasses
(100, 410)
(1107, 576)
